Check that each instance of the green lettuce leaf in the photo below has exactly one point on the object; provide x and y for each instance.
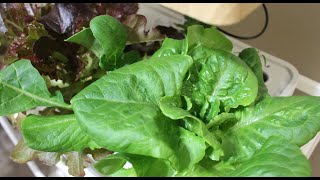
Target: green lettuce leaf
(252, 59)
(145, 166)
(218, 82)
(293, 118)
(276, 157)
(123, 114)
(172, 47)
(63, 131)
(106, 38)
(142, 166)
(86, 39)
(21, 82)
(171, 107)
(208, 37)
(112, 36)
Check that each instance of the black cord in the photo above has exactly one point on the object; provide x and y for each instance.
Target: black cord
(254, 36)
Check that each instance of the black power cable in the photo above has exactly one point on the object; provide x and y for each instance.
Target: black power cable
(254, 36)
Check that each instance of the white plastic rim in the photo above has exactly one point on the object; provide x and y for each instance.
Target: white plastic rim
(312, 88)
(291, 83)
(308, 86)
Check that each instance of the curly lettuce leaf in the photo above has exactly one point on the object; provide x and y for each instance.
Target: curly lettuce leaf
(171, 107)
(218, 82)
(136, 29)
(22, 46)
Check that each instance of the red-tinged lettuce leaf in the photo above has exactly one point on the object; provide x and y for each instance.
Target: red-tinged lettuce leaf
(22, 46)
(68, 18)
(13, 48)
(60, 19)
(137, 32)
(170, 32)
(119, 11)
(57, 59)
(45, 48)
(34, 30)
(85, 12)
(15, 17)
